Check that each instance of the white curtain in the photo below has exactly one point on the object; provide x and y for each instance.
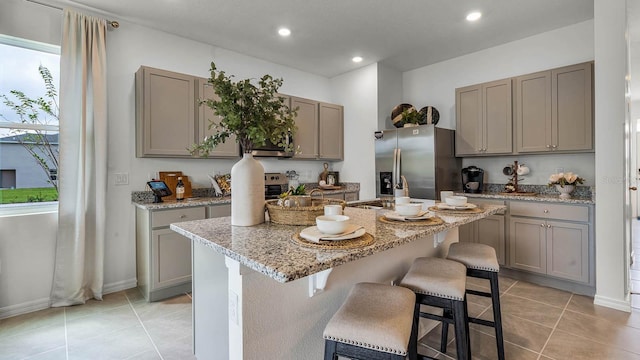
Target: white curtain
(78, 273)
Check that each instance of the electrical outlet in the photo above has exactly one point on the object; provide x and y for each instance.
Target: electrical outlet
(233, 307)
(122, 178)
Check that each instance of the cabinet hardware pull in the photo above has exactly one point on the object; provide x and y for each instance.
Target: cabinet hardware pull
(554, 146)
(546, 211)
(633, 188)
(183, 216)
(542, 225)
(549, 226)
(548, 146)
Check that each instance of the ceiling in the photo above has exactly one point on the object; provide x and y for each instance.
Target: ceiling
(326, 34)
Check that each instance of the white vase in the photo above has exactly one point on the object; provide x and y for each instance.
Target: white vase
(247, 192)
(565, 192)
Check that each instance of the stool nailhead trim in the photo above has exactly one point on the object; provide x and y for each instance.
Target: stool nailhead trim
(368, 346)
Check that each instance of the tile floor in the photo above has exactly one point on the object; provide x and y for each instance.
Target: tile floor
(539, 323)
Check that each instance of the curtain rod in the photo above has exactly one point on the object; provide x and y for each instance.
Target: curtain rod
(114, 24)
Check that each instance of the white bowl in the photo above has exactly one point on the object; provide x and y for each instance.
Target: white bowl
(408, 209)
(403, 200)
(332, 224)
(456, 200)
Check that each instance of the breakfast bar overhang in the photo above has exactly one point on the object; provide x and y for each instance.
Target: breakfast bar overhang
(259, 294)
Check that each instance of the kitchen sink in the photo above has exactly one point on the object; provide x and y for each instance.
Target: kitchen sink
(375, 204)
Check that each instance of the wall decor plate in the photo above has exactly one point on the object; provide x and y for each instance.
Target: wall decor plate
(429, 115)
(396, 114)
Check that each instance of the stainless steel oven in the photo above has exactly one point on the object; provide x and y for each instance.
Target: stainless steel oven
(274, 185)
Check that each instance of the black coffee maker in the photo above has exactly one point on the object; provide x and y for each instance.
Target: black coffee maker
(472, 179)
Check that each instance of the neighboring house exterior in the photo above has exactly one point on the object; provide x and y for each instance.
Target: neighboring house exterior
(18, 168)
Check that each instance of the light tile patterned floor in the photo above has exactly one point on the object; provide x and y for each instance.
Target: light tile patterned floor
(539, 323)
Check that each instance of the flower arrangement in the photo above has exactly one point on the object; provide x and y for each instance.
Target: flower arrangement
(563, 179)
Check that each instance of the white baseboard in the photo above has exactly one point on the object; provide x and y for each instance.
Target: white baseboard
(621, 305)
(119, 286)
(25, 307)
(44, 303)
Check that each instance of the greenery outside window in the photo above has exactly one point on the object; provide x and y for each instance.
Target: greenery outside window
(28, 122)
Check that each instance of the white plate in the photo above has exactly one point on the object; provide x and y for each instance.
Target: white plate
(393, 215)
(313, 234)
(466, 206)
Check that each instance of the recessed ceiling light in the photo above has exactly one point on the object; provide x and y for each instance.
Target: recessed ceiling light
(473, 16)
(356, 59)
(284, 32)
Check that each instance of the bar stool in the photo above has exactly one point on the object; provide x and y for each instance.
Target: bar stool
(376, 322)
(481, 262)
(441, 283)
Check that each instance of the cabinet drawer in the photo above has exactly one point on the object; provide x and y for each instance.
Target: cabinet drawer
(550, 211)
(166, 217)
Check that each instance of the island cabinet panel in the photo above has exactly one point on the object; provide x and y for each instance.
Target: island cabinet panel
(165, 111)
(484, 119)
(552, 239)
(489, 231)
(554, 110)
(163, 256)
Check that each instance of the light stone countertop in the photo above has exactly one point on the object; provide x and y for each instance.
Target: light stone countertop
(538, 197)
(190, 202)
(269, 249)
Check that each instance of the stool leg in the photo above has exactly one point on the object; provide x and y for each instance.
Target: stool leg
(466, 326)
(445, 331)
(497, 315)
(461, 324)
(413, 340)
(330, 350)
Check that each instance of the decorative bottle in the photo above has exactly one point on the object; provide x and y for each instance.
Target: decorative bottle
(180, 189)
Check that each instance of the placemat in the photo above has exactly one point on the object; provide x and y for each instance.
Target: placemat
(456, 212)
(425, 222)
(362, 241)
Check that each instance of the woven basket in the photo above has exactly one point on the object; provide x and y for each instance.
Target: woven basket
(299, 215)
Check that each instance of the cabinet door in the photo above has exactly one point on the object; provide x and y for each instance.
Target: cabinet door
(572, 116)
(497, 116)
(206, 116)
(166, 117)
(469, 120)
(467, 233)
(527, 244)
(170, 257)
(533, 112)
(568, 250)
(306, 138)
(491, 232)
(331, 141)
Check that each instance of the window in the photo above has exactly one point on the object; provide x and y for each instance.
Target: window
(28, 121)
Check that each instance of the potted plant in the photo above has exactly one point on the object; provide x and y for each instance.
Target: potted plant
(253, 112)
(565, 183)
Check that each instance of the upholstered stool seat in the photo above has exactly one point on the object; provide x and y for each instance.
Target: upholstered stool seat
(441, 283)
(374, 322)
(481, 262)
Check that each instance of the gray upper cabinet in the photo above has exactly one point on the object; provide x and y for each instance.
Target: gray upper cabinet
(320, 130)
(484, 119)
(165, 113)
(306, 137)
(331, 133)
(230, 148)
(554, 110)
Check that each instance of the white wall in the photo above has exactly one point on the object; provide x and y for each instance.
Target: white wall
(435, 85)
(610, 112)
(389, 94)
(358, 92)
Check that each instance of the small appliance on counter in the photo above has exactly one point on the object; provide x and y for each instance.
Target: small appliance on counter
(274, 185)
(472, 179)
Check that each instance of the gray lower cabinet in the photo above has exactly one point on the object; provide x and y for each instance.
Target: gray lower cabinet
(552, 239)
(163, 257)
(489, 231)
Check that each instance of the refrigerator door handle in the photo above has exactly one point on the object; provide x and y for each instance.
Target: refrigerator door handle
(394, 174)
(397, 167)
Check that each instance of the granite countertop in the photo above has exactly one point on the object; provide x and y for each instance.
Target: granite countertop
(538, 197)
(190, 202)
(269, 249)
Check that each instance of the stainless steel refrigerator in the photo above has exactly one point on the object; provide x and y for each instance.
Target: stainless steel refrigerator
(424, 155)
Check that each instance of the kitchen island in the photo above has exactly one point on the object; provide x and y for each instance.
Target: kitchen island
(258, 294)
